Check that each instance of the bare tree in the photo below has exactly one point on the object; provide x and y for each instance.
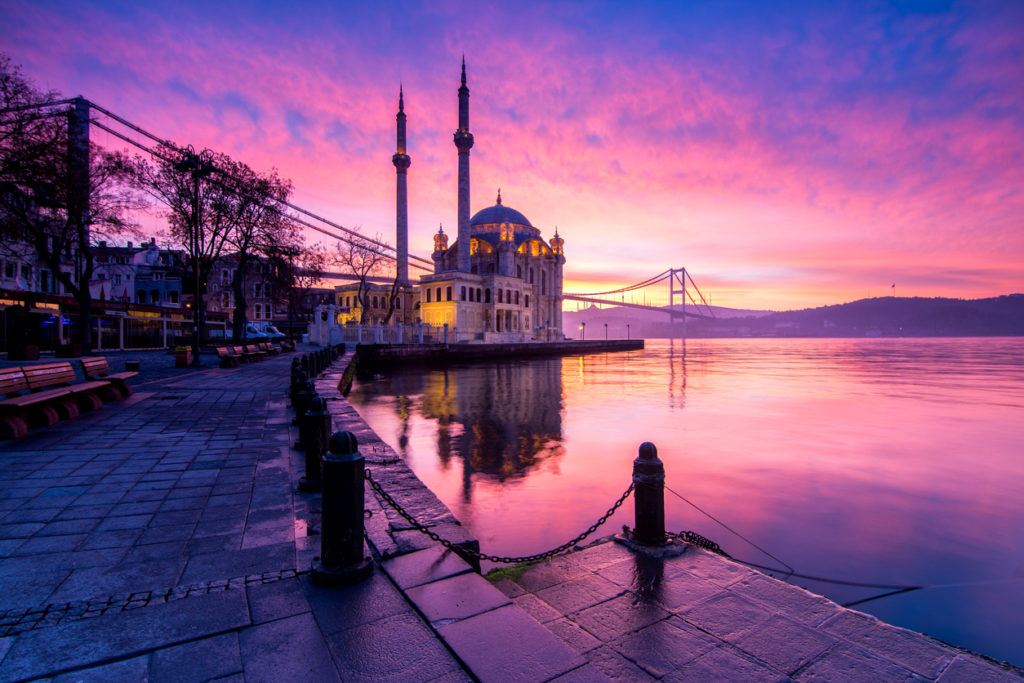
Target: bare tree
(296, 270)
(58, 193)
(260, 227)
(363, 258)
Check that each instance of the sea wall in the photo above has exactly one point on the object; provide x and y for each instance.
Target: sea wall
(441, 354)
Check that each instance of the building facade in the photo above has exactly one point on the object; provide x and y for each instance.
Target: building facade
(500, 280)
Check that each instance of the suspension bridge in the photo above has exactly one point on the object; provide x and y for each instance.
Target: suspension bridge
(683, 301)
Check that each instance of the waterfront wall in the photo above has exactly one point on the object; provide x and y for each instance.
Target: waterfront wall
(389, 534)
(440, 354)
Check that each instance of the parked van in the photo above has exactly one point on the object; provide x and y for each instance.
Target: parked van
(263, 330)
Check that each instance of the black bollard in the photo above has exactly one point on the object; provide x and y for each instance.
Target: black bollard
(342, 559)
(305, 363)
(302, 399)
(649, 496)
(300, 379)
(313, 433)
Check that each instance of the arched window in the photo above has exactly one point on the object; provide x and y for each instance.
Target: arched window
(463, 293)
(517, 297)
(439, 294)
(448, 293)
(428, 294)
(478, 295)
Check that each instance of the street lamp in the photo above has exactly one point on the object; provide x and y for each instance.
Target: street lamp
(583, 331)
(606, 331)
(199, 166)
(627, 331)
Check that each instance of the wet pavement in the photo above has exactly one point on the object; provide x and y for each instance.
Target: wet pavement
(164, 538)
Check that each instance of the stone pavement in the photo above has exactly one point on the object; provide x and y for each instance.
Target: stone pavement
(155, 539)
(702, 617)
(163, 538)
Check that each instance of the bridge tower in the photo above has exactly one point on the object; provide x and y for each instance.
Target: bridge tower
(677, 286)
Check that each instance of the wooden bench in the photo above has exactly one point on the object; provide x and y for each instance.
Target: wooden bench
(228, 358)
(18, 411)
(255, 351)
(269, 348)
(49, 396)
(96, 368)
(247, 356)
(84, 395)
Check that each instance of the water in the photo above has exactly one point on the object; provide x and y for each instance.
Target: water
(896, 461)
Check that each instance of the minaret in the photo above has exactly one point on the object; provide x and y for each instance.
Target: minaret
(463, 141)
(402, 161)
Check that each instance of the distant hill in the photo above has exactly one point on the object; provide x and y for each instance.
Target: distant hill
(878, 317)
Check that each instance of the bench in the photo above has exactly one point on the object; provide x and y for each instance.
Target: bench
(84, 395)
(269, 348)
(228, 358)
(246, 356)
(42, 406)
(97, 369)
(255, 352)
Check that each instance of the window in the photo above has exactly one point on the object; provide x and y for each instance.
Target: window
(225, 300)
(224, 277)
(117, 278)
(500, 297)
(158, 276)
(10, 271)
(487, 295)
(173, 296)
(519, 272)
(448, 293)
(463, 293)
(517, 297)
(478, 295)
(44, 281)
(439, 294)
(257, 311)
(398, 302)
(428, 295)
(543, 282)
(347, 302)
(375, 301)
(531, 276)
(154, 296)
(140, 296)
(527, 301)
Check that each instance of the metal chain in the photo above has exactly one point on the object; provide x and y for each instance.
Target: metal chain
(484, 556)
(693, 538)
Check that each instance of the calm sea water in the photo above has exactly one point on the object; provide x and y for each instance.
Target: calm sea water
(896, 461)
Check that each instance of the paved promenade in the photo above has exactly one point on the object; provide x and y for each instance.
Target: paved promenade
(163, 538)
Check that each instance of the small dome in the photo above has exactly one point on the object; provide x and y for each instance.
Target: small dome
(499, 214)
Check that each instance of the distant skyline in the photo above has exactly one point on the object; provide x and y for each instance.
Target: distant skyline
(788, 154)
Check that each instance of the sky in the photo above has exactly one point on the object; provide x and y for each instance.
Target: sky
(787, 154)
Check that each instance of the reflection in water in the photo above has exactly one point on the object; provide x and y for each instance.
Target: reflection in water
(499, 420)
(893, 461)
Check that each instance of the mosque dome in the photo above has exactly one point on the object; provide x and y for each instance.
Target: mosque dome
(499, 214)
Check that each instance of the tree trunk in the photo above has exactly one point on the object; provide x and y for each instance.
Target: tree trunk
(238, 313)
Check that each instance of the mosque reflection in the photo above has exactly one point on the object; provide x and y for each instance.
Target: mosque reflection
(501, 420)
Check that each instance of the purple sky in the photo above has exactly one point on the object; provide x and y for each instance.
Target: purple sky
(787, 154)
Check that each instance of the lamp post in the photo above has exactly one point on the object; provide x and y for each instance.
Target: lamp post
(199, 165)
(583, 331)
(627, 331)
(606, 331)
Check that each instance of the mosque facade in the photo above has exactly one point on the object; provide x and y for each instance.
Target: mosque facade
(499, 280)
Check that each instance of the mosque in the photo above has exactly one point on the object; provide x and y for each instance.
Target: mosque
(499, 280)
